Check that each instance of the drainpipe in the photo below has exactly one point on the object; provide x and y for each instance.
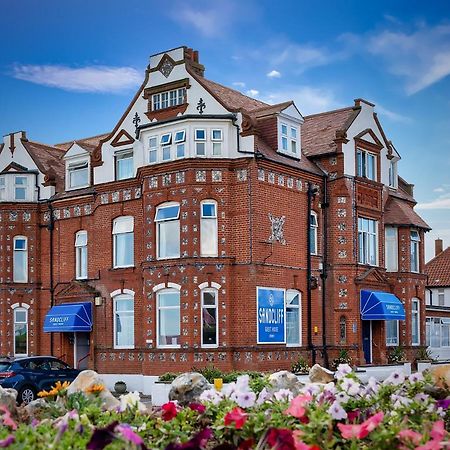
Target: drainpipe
(324, 273)
(50, 228)
(311, 192)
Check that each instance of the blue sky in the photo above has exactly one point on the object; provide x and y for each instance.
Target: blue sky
(69, 69)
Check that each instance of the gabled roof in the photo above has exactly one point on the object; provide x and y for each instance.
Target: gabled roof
(401, 213)
(88, 144)
(319, 130)
(438, 269)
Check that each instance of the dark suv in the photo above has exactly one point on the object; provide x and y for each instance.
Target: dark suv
(32, 374)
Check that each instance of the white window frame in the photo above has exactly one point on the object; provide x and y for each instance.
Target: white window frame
(165, 139)
(393, 174)
(364, 239)
(180, 143)
(391, 243)
(441, 295)
(123, 296)
(152, 149)
(415, 312)
(168, 99)
(200, 141)
(216, 309)
(362, 164)
(115, 233)
(389, 340)
(25, 187)
(2, 188)
(415, 244)
(77, 165)
(216, 142)
(158, 308)
(289, 137)
(159, 223)
(120, 156)
(294, 292)
(81, 257)
(25, 251)
(25, 310)
(313, 231)
(204, 224)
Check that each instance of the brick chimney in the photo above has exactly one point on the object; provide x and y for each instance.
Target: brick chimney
(438, 246)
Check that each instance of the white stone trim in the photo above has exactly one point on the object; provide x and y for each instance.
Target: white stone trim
(174, 286)
(215, 285)
(159, 286)
(203, 285)
(116, 292)
(20, 305)
(128, 291)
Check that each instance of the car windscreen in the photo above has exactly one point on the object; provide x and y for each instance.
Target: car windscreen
(4, 366)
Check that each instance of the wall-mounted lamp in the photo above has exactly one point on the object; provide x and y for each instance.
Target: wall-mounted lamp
(98, 301)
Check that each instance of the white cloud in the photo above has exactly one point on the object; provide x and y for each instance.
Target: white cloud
(308, 99)
(395, 117)
(240, 84)
(274, 74)
(439, 189)
(82, 79)
(252, 92)
(421, 57)
(441, 202)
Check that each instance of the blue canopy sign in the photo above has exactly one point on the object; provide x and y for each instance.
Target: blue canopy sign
(377, 305)
(271, 314)
(69, 317)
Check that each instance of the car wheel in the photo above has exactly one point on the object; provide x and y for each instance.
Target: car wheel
(26, 395)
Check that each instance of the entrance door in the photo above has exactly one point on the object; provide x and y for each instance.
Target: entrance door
(367, 340)
(82, 349)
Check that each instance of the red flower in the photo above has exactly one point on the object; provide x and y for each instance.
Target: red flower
(353, 415)
(197, 407)
(280, 439)
(297, 406)
(238, 416)
(169, 411)
(362, 430)
(247, 444)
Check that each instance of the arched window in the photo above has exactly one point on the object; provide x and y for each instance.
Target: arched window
(168, 318)
(210, 323)
(81, 255)
(208, 228)
(20, 331)
(20, 259)
(167, 220)
(343, 330)
(123, 241)
(415, 321)
(313, 227)
(123, 321)
(293, 318)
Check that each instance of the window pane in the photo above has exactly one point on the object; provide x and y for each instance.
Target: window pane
(284, 143)
(20, 316)
(152, 156)
(180, 136)
(166, 138)
(169, 319)
(81, 263)
(359, 171)
(20, 266)
(125, 166)
(78, 177)
(216, 135)
(208, 210)
(169, 299)
(293, 133)
(180, 150)
(123, 224)
(20, 339)
(20, 244)
(81, 239)
(392, 332)
(200, 135)
(153, 142)
(370, 167)
(200, 148)
(20, 193)
(124, 249)
(209, 326)
(209, 298)
(284, 130)
(217, 148)
(169, 239)
(293, 147)
(124, 304)
(313, 239)
(292, 325)
(124, 329)
(166, 153)
(2, 182)
(208, 237)
(22, 181)
(167, 213)
(292, 298)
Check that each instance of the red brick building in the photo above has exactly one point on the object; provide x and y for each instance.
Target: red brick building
(210, 228)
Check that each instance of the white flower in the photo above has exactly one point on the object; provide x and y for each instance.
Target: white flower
(415, 377)
(246, 399)
(342, 397)
(242, 383)
(229, 389)
(211, 395)
(421, 398)
(399, 400)
(342, 371)
(337, 412)
(263, 396)
(283, 394)
(311, 388)
(395, 378)
(350, 386)
(130, 400)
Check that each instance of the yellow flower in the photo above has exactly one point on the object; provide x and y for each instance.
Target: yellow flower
(95, 389)
(55, 390)
(43, 394)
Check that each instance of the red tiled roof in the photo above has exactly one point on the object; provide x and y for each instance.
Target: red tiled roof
(401, 213)
(438, 269)
(89, 144)
(319, 130)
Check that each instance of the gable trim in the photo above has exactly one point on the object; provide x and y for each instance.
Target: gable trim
(117, 140)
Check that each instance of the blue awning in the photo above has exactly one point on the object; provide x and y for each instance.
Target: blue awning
(377, 305)
(70, 317)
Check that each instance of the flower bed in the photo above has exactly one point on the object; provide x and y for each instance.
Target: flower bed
(343, 415)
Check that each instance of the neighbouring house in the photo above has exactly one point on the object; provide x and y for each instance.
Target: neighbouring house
(210, 228)
(438, 303)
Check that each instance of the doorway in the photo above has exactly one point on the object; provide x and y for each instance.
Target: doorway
(367, 340)
(81, 350)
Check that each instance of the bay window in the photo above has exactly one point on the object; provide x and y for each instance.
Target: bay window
(123, 241)
(208, 228)
(78, 175)
(168, 318)
(415, 241)
(392, 332)
(124, 165)
(391, 249)
(313, 227)
(210, 327)
(367, 241)
(81, 255)
(437, 332)
(179, 141)
(123, 321)
(366, 164)
(20, 187)
(293, 318)
(200, 142)
(167, 220)
(20, 332)
(20, 259)
(153, 150)
(2, 188)
(415, 322)
(216, 138)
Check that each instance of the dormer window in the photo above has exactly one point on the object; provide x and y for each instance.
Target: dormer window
(168, 99)
(289, 139)
(16, 187)
(78, 175)
(366, 164)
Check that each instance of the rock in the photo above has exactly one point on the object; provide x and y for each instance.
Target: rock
(441, 376)
(35, 408)
(8, 398)
(187, 387)
(284, 380)
(85, 380)
(318, 374)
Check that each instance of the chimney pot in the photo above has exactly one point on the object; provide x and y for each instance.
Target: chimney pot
(438, 246)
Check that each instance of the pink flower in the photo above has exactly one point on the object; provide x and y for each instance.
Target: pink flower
(169, 411)
(362, 430)
(129, 435)
(280, 439)
(7, 441)
(197, 407)
(410, 437)
(297, 406)
(236, 416)
(299, 444)
(7, 419)
(438, 430)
